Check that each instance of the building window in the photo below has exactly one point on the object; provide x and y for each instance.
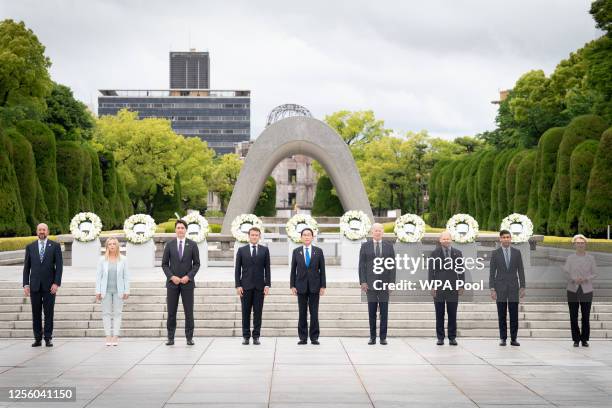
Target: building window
(292, 176)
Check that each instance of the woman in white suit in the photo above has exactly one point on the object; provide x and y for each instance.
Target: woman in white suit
(112, 288)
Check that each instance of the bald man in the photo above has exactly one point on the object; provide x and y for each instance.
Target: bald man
(42, 277)
(441, 269)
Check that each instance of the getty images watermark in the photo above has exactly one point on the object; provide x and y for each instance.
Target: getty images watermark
(410, 264)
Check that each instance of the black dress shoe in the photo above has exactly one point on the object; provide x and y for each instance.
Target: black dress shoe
(576, 344)
(515, 343)
(190, 342)
(585, 343)
(245, 341)
(48, 343)
(315, 342)
(372, 341)
(502, 342)
(440, 342)
(256, 341)
(452, 342)
(302, 342)
(170, 342)
(383, 342)
(37, 343)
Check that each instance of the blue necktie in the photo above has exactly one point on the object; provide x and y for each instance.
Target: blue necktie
(181, 250)
(507, 256)
(307, 258)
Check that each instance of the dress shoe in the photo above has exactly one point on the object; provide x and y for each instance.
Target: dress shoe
(452, 342)
(190, 342)
(245, 341)
(315, 342)
(302, 342)
(48, 343)
(576, 344)
(256, 341)
(440, 342)
(585, 343)
(502, 342)
(372, 341)
(170, 342)
(37, 343)
(383, 342)
(515, 343)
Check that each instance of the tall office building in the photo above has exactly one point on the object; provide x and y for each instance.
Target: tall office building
(189, 70)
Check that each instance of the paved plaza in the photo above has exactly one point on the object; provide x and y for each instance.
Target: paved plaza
(341, 372)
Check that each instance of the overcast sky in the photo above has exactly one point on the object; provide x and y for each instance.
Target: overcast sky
(433, 65)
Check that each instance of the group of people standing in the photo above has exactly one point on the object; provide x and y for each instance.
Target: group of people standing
(43, 266)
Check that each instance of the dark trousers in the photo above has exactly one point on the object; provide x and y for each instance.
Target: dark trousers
(42, 300)
(308, 301)
(172, 297)
(252, 299)
(512, 310)
(451, 310)
(384, 316)
(579, 300)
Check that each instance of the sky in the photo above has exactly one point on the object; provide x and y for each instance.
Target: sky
(419, 65)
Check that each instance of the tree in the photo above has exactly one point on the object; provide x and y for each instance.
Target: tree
(601, 10)
(581, 163)
(24, 76)
(25, 170)
(165, 206)
(325, 203)
(225, 173)
(523, 180)
(71, 174)
(357, 128)
(98, 200)
(597, 212)
(266, 203)
(196, 169)
(12, 217)
(548, 147)
(67, 117)
(484, 175)
(498, 177)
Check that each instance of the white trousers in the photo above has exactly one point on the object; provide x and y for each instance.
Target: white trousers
(112, 305)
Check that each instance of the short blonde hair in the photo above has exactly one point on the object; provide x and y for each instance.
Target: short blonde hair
(579, 236)
(108, 241)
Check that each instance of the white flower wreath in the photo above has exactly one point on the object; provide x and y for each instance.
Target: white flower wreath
(355, 225)
(197, 227)
(297, 223)
(463, 228)
(139, 228)
(85, 226)
(519, 225)
(409, 228)
(242, 224)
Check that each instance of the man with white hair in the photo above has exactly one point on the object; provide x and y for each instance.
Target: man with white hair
(42, 277)
(373, 284)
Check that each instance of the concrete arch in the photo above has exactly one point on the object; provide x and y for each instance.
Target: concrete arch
(297, 135)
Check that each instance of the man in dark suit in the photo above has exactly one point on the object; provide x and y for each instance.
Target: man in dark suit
(42, 277)
(307, 281)
(507, 284)
(373, 282)
(252, 276)
(442, 268)
(181, 262)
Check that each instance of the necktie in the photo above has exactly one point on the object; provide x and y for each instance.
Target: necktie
(446, 253)
(181, 249)
(254, 252)
(42, 251)
(507, 257)
(307, 257)
(378, 249)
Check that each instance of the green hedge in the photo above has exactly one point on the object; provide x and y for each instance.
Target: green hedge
(483, 191)
(505, 206)
(25, 170)
(447, 179)
(499, 176)
(266, 203)
(523, 181)
(71, 173)
(116, 214)
(44, 148)
(581, 163)
(470, 185)
(124, 199)
(511, 177)
(87, 187)
(580, 129)
(12, 218)
(435, 196)
(548, 147)
(597, 212)
(325, 203)
(64, 208)
(165, 205)
(98, 200)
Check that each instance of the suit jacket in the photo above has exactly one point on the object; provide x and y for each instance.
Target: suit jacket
(506, 281)
(305, 279)
(438, 271)
(123, 277)
(366, 264)
(188, 265)
(41, 275)
(252, 273)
